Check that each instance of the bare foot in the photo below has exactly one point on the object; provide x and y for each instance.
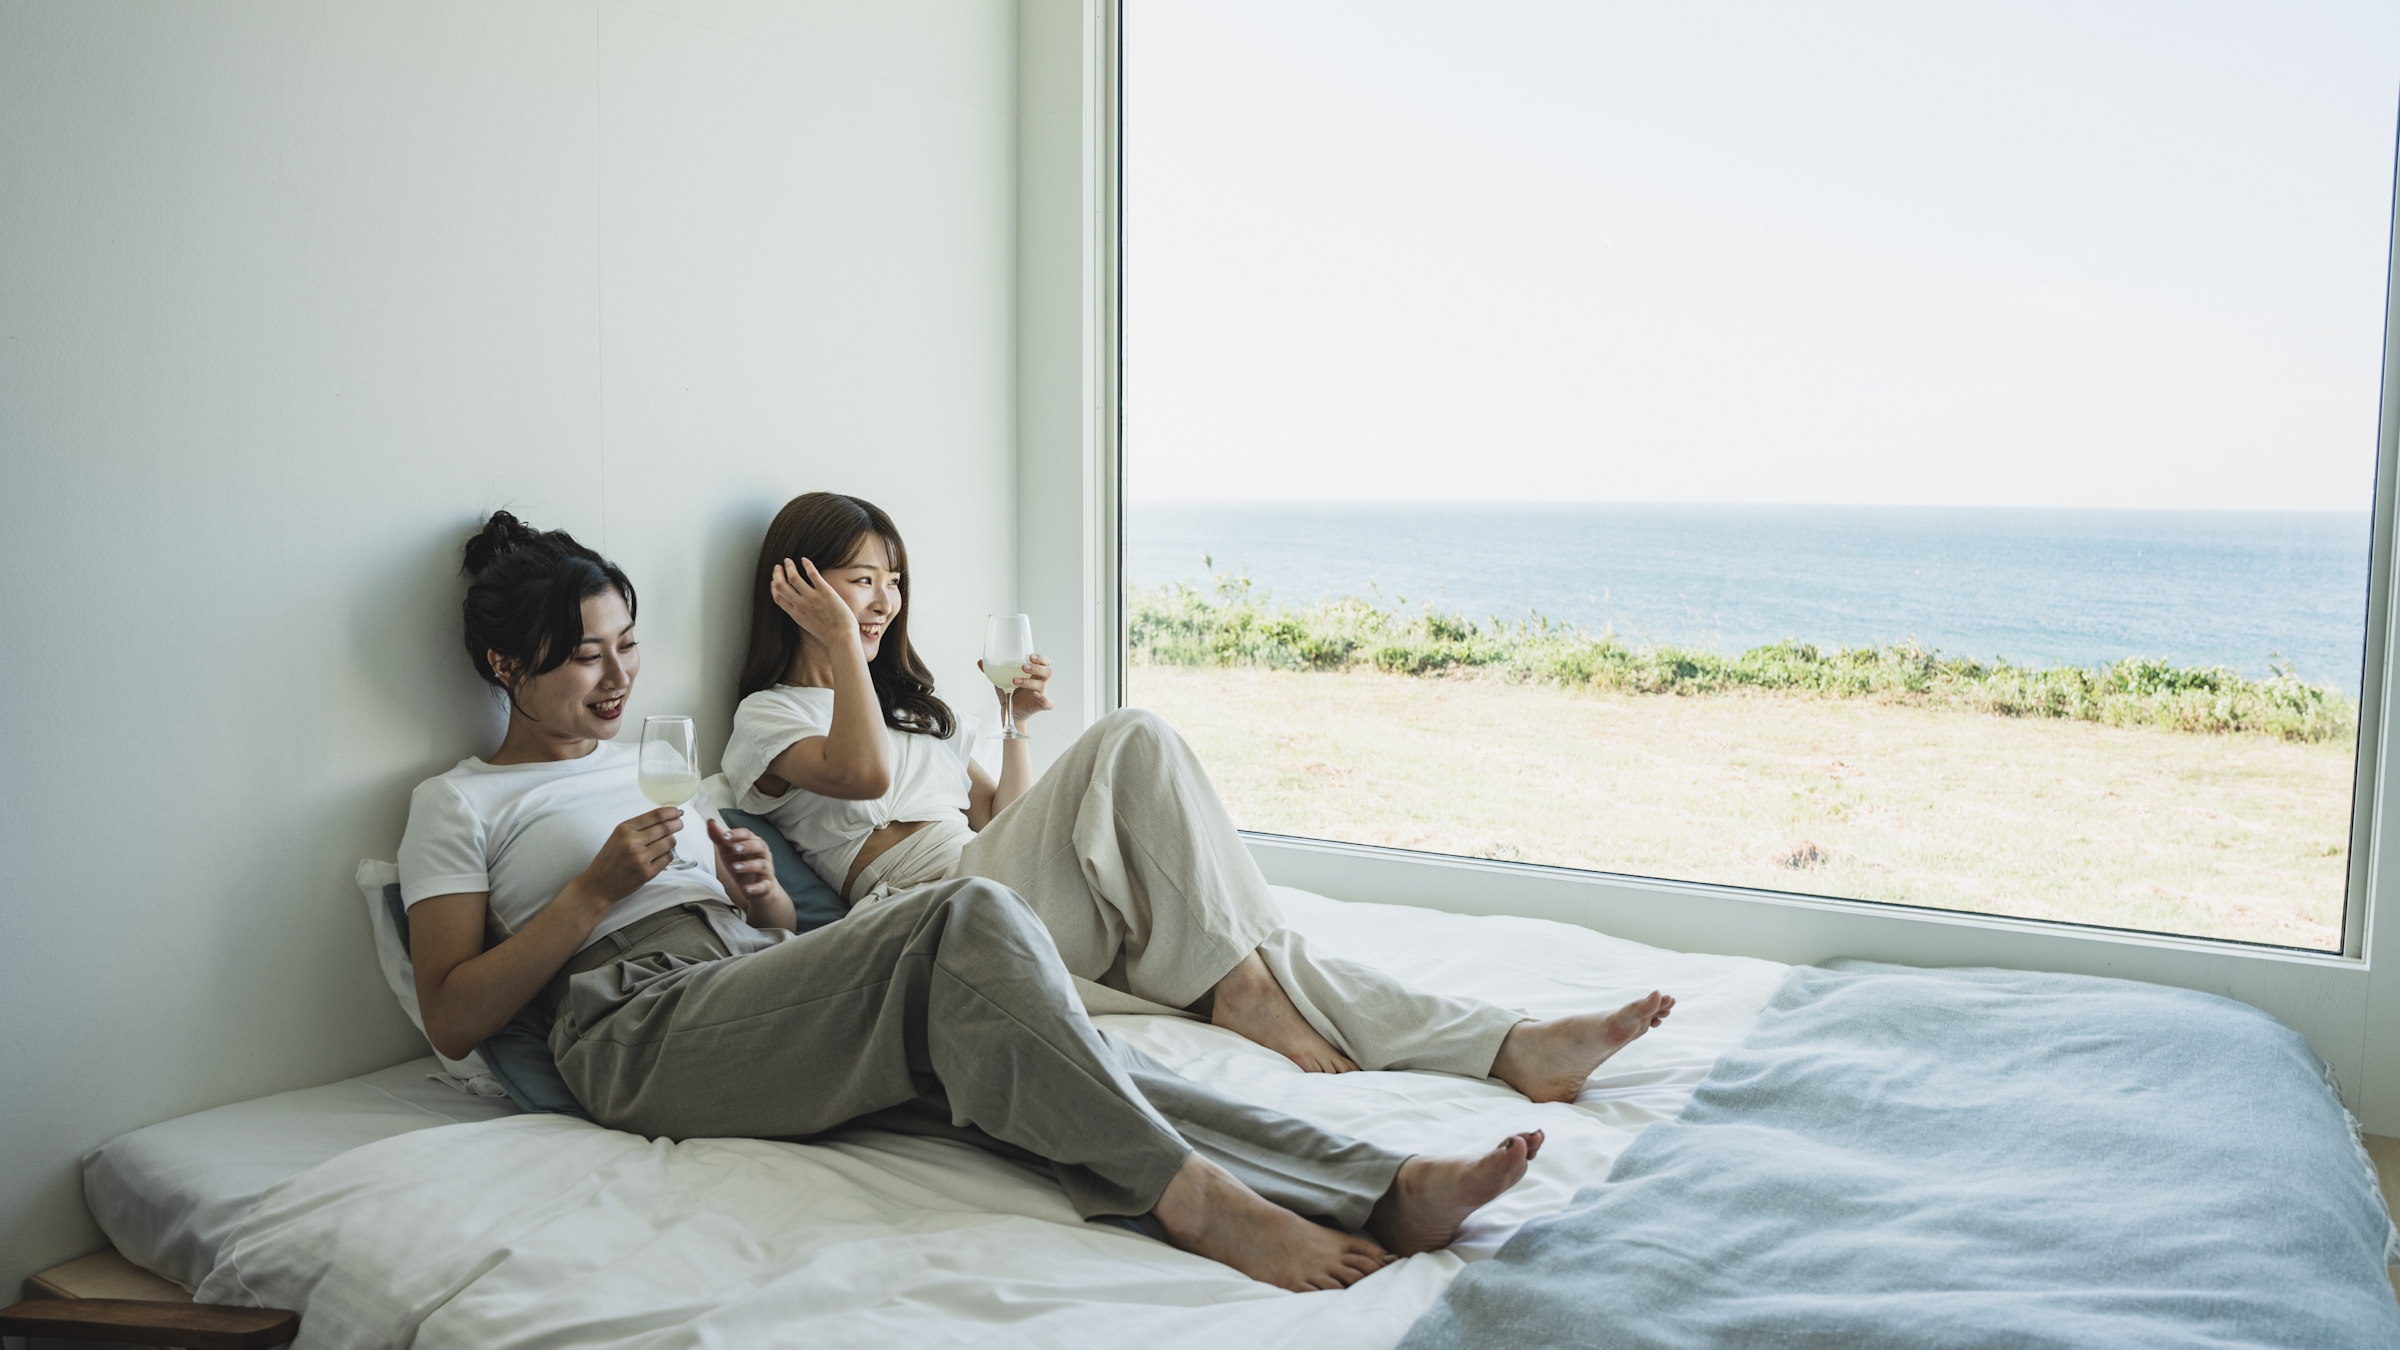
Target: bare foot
(1432, 1196)
(1208, 1211)
(1250, 1003)
(1549, 1061)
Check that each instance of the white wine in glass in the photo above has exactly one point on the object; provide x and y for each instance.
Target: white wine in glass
(1007, 641)
(670, 768)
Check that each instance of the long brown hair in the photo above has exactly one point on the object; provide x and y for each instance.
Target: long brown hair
(825, 528)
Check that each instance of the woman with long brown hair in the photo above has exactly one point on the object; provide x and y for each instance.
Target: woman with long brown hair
(1122, 848)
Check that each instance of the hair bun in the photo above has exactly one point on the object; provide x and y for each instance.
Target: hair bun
(500, 536)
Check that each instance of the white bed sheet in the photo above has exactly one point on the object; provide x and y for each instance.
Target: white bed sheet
(543, 1229)
(170, 1194)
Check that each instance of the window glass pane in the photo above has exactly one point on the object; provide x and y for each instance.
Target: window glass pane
(1907, 453)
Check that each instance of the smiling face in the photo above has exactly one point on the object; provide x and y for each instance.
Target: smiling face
(869, 586)
(559, 712)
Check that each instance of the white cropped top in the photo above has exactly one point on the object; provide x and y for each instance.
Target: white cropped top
(929, 778)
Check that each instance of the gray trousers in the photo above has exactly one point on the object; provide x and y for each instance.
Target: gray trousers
(1127, 855)
(944, 1010)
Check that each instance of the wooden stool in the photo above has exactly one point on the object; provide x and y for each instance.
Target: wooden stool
(104, 1297)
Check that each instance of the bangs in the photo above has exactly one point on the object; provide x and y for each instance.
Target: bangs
(557, 606)
(893, 554)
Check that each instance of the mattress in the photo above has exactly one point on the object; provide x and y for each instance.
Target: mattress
(386, 1223)
(170, 1194)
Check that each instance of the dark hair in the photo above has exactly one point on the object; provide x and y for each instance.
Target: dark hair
(825, 528)
(525, 599)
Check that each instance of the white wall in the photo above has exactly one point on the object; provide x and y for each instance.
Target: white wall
(290, 294)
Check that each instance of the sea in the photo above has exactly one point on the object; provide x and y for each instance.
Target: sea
(2245, 589)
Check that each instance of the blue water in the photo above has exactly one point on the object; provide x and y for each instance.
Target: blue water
(2038, 587)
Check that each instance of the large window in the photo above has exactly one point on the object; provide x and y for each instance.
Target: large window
(1917, 454)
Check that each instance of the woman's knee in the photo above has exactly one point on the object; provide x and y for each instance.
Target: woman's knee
(983, 930)
(976, 905)
(1136, 720)
(1139, 726)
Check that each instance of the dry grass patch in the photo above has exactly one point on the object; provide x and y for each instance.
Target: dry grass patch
(2235, 836)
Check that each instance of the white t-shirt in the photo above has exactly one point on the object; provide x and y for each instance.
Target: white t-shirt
(929, 778)
(521, 832)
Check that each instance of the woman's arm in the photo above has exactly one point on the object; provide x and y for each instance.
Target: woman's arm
(985, 798)
(852, 760)
(466, 993)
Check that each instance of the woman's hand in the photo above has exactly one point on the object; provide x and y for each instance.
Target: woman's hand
(467, 992)
(1032, 688)
(743, 864)
(986, 798)
(800, 592)
(747, 872)
(636, 851)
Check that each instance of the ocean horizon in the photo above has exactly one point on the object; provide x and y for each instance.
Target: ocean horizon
(2034, 586)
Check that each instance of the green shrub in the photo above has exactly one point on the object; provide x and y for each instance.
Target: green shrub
(1232, 624)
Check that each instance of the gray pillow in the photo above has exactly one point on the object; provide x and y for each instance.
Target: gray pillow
(814, 904)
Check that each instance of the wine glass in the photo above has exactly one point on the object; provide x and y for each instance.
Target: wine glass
(670, 769)
(1007, 641)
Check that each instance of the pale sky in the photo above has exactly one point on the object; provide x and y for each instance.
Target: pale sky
(2112, 254)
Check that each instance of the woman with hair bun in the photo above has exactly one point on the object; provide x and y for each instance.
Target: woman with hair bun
(683, 1005)
(1122, 848)
(495, 845)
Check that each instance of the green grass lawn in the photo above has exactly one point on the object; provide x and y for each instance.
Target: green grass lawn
(2221, 835)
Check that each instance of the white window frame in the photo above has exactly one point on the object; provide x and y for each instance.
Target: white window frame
(1069, 556)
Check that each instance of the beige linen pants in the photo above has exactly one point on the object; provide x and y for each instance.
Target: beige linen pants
(942, 1011)
(1127, 854)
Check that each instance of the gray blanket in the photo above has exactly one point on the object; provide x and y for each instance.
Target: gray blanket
(1925, 1158)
